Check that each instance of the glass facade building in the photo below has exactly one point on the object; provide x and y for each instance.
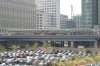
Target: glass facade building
(63, 21)
(89, 14)
(78, 20)
(99, 13)
(17, 14)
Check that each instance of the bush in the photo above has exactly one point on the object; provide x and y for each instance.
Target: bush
(45, 45)
(82, 61)
(2, 49)
(35, 46)
(89, 60)
(88, 51)
(61, 64)
(14, 47)
(70, 63)
(97, 58)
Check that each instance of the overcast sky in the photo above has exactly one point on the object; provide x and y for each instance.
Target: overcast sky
(65, 6)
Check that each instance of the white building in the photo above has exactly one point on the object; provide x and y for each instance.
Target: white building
(41, 20)
(52, 9)
(17, 14)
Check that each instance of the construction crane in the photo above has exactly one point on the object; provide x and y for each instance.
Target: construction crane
(72, 12)
(72, 18)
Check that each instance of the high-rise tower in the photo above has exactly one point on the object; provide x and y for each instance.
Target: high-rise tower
(52, 9)
(90, 13)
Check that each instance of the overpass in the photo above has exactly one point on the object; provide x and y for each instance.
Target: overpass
(71, 39)
(47, 38)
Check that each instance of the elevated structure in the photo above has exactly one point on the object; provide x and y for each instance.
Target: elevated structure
(57, 38)
(69, 32)
(57, 41)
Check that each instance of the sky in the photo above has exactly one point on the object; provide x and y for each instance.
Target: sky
(65, 6)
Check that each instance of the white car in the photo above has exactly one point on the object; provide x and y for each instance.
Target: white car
(41, 63)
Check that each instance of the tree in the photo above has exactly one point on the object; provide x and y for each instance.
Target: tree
(14, 47)
(2, 48)
(89, 60)
(45, 45)
(97, 58)
(35, 46)
(88, 51)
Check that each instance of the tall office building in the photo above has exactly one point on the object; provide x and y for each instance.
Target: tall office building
(78, 20)
(99, 14)
(70, 24)
(17, 14)
(90, 13)
(63, 21)
(52, 9)
(41, 20)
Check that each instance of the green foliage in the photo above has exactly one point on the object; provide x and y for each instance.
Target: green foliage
(45, 45)
(97, 58)
(69, 63)
(2, 48)
(73, 58)
(54, 64)
(15, 47)
(88, 51)
(35, 46)
(89, 60)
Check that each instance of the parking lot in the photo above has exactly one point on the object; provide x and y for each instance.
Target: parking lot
(40, 57)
